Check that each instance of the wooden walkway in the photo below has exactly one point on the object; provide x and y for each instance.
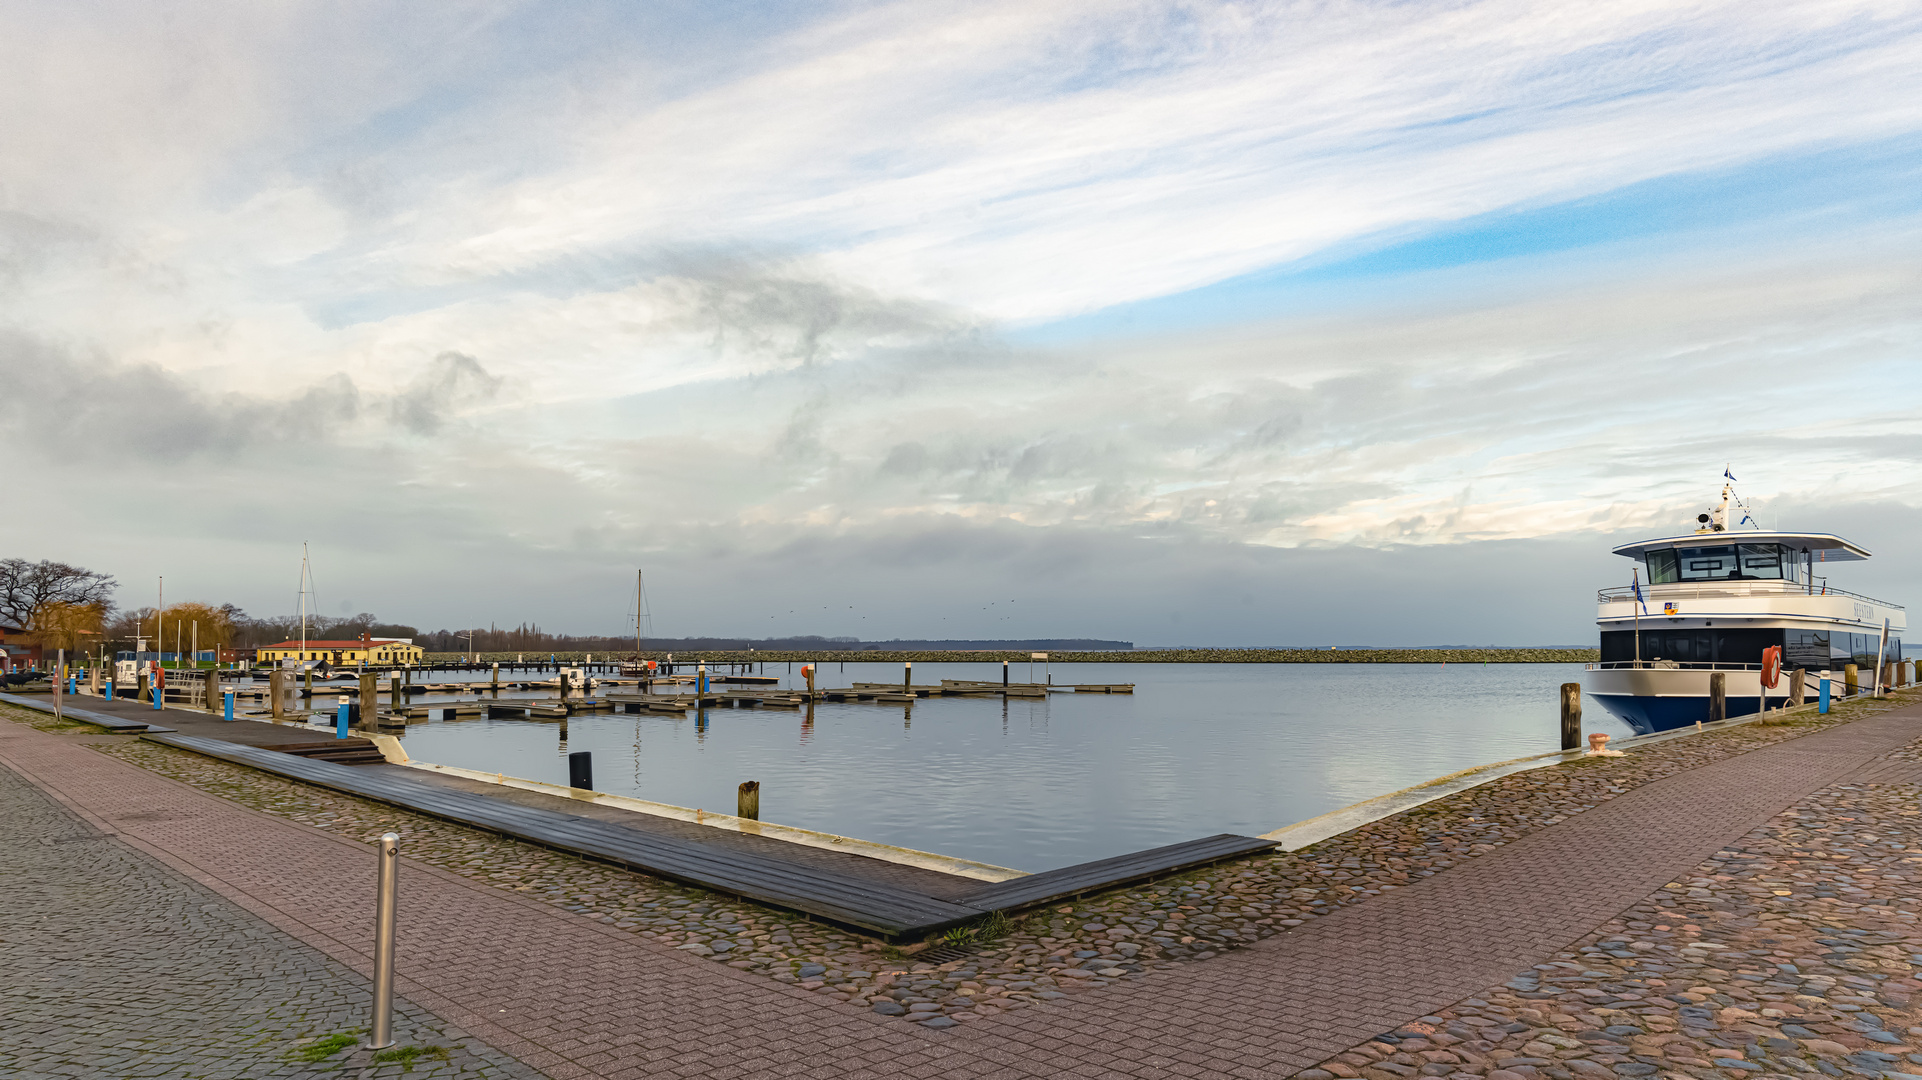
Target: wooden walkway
(121, 724)
(895, 913)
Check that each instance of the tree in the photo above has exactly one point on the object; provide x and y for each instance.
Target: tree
(26, 589)
(215, 625)
(73, 627)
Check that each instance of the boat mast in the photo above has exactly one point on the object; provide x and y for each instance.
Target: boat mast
(639, 591)
(305, 576)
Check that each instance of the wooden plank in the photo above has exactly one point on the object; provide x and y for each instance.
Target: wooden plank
(870, 905)
(105, 720)
(1052, 885)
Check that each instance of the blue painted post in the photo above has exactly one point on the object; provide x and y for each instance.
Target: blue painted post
(159, 687)
(230, 706)
(109, 686)
(1824, 706)
(73, 685)
(340, 721)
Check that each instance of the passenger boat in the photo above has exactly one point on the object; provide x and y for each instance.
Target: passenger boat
(1719, 599)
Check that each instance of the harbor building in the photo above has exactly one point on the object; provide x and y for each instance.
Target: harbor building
(370, 650)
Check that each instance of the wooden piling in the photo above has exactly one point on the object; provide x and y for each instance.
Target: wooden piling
(1717, 696)
(276, 691)
(748, 800)
(1571, 716)
(1798, 685)
(907, 677)
(1849, 676)
(210, 681)
(369, 700)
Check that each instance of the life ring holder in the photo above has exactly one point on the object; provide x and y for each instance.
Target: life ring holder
(1771, 666)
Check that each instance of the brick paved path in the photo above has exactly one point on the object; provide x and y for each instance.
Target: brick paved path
(577, 999)
(118, 966)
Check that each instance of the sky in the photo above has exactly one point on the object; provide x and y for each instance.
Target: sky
(1176, 323)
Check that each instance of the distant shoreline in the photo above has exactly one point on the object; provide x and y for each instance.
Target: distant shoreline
(1154, 656)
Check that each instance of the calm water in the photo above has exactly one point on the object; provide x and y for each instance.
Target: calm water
(1036, 784)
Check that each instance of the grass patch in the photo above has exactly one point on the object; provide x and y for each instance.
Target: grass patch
(996, 925)
(407, 1055)
(324, 1048)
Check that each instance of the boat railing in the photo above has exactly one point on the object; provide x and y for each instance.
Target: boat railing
(1653, 593)
(1672, 665)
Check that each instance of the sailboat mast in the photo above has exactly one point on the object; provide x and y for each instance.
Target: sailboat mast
(639, 591)
(303, 601)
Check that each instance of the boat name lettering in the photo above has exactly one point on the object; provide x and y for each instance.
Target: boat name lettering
(1864, 611)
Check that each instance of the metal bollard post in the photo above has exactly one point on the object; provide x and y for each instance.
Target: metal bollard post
(109, 684)
(1822, 688)
(229, 713)
(340, 720)
(385, 895)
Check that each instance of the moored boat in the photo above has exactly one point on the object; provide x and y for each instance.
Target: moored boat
(1719, 600)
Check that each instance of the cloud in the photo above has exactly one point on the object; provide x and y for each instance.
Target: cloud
(453, 381)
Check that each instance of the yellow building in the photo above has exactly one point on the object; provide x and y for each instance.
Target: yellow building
(377, 651)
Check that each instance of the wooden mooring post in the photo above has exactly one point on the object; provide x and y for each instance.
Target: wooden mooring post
(1571, 714)
(276, 692)
(747, 800)
(1850, 680)
(907, 677)
(1717, 696)
(1798, 685)
(369, 702)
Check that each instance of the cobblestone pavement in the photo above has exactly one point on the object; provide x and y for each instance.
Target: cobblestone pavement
(581, 997)
(1795, 950)
(118, 966)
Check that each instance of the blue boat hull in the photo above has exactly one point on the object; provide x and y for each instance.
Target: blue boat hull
(1648, 714)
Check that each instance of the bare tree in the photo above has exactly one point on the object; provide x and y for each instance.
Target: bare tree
(26, 589)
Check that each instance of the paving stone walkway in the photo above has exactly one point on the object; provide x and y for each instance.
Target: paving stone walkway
(578, 999)
(118, 966)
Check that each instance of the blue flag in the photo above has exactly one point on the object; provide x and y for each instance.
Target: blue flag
(1638, 594)
(1725, 472)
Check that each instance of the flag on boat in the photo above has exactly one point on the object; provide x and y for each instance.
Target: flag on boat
(1638, 594)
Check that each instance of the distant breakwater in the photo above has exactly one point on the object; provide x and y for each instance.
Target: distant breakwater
(1154, 656)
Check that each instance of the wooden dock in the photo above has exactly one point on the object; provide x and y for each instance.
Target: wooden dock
(891, 911)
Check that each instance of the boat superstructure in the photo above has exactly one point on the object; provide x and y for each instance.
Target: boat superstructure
(1715, 600)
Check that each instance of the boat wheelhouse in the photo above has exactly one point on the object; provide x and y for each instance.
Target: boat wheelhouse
(1716, 600)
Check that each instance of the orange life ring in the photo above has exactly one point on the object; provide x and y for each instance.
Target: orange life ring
(1771, 666)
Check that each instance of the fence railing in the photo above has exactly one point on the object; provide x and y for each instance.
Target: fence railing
(1655, 594)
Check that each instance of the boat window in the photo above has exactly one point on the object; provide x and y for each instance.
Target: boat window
(1661, 567)
(1703, 646)
(1707, 563)
(1761, 561)
(1807, 649)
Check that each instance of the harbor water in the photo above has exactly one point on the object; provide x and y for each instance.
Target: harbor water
(1034, 783)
